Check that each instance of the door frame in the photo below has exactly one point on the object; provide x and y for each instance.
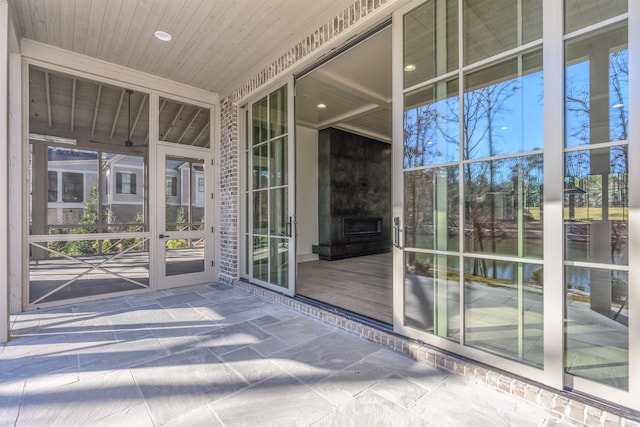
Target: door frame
(161, 280)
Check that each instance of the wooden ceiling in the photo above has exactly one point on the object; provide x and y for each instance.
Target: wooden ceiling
(216, 46)
(208, 36)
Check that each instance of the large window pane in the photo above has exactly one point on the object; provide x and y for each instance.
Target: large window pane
(432, 294)
(504, 308)
(491, 26)
(597, 331)
(582, 13)
(596, 206)
(432, 125)
(597, 87)
(430, 41)
(431, 209)
(503, 108)
(503, 207)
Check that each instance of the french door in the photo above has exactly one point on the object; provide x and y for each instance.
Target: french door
(270, 226)
(184, 215)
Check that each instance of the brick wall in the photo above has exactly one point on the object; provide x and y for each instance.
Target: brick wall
(229, 113)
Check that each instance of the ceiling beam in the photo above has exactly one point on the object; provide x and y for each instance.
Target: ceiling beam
(95, 112)
(195, 116)
(173, 122)
(349, 115)
(73, 103)
(135, 122)
(352, 86)
(115, 119)
(48, 90)
(206, 125)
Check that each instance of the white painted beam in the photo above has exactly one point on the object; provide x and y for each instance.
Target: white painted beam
(95, 112)
(4, 172)
(184, 132)
(115, 118)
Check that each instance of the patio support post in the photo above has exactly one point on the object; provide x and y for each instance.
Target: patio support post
(4, 171)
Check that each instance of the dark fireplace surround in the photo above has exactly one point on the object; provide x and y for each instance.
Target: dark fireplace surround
(354, 195)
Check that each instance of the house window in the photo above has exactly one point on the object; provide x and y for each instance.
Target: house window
(52, 186)
(72, 187)
(125, 183)
(171, 186)
(200, 185)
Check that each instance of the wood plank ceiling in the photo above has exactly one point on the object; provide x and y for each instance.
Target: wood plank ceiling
(216, 44)
(208, 36)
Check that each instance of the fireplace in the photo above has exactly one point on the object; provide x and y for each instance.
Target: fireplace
(354, 203)
(361, 226)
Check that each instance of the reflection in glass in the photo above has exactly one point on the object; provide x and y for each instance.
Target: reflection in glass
(66, 272)
(425, 27)
(259, 119)
(431, 125)
(597, 331)
(260, 256)
(431, 209)
(260, 212)
(279, 257)
(491, 26)
(503, 208)
(596, 205)
(184, 256)
(432, 294)
(279, 212)
(279, 162)
(504, 309)
(582, 13)
(597, 87)
(503, 108)
(278, 112)
(260, 167)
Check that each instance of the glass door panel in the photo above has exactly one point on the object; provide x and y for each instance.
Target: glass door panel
(187, 252)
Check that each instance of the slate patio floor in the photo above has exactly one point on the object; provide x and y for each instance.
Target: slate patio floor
(215, 355)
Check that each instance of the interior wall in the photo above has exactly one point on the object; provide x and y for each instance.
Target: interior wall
(307, 194)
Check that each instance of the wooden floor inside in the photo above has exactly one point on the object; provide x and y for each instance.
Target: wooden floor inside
(362, 284)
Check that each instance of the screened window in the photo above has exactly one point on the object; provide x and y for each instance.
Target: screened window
(72, 187)
(171, 186)
(125, 183)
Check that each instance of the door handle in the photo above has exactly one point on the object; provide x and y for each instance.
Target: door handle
(289, 227)
(396, 232)
(164, 236)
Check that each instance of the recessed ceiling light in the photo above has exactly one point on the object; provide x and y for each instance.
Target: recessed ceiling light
(162, 35)
(322, 106)
(617, 106)
(504, 128)
(409, 67)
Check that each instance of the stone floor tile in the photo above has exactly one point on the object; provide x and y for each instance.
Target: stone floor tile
(298, 330)
(180, 383)
(270, 346)
(199, 417)
(370, 409)
(80, 403)
(137, 416)
(252, 366)
(230, 338)
(278, 401)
